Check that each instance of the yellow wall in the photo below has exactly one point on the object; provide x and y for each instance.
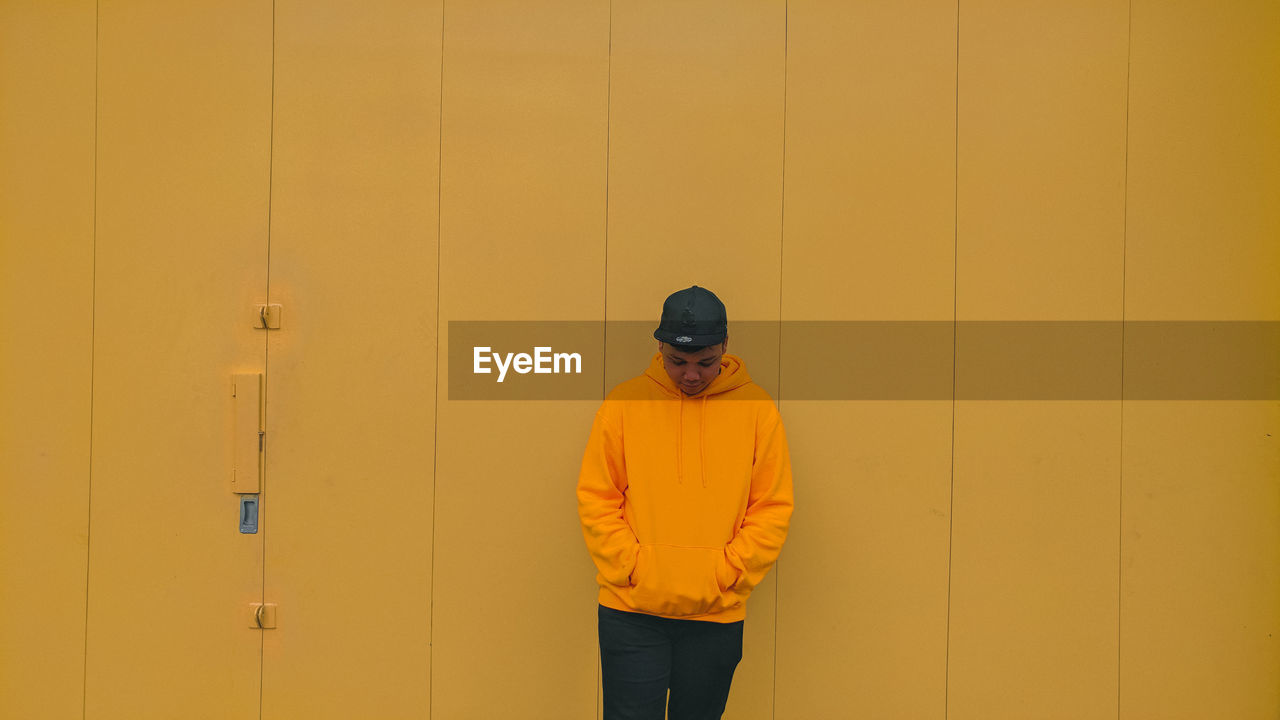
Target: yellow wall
(381, 169)
(46, 262)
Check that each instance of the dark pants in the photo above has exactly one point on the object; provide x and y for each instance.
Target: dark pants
(642, 656)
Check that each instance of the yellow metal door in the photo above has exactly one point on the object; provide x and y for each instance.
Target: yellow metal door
(180, 261)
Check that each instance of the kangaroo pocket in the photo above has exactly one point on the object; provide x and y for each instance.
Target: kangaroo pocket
(675, 581)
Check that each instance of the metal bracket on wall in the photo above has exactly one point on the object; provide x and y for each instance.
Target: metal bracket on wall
(263, 616)
(268, 316)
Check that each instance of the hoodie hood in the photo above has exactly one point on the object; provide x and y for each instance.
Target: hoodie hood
(733, 374)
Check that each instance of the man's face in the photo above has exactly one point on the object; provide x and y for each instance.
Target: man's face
(692, 372)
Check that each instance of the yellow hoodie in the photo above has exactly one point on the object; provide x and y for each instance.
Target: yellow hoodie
(685, 501)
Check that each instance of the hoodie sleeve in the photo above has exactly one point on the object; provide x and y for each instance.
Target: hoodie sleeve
(764, 528)
(601, 482)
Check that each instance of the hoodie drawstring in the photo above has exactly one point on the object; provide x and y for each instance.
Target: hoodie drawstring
(702, 442)
(680, 443)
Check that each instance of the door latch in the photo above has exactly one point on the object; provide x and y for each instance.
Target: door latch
(249, 514)
(247, 461)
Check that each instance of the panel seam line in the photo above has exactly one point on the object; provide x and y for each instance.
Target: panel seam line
(604, 375)
(435, 420)
(263, 523)
(93, 317)
(782, 234)
(1124, 255)
(955, 331)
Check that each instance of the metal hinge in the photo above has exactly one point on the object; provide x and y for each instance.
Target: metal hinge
(263, 616)
(267, 317)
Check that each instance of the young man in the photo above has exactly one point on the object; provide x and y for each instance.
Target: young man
(685, 498)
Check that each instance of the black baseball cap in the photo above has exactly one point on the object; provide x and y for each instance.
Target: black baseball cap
(693, 316)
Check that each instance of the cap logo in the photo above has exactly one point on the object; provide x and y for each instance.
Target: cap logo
(684, 339)
(687, 317)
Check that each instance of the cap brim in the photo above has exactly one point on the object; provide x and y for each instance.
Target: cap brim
(682, 339)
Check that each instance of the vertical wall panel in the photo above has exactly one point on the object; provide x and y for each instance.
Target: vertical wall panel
(695, 158)
(1040, 238)
(46, 305)
(869, 235)
(351, 372)
(521, 238)
(695, 197)
(1200, 612)
(183, 132)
